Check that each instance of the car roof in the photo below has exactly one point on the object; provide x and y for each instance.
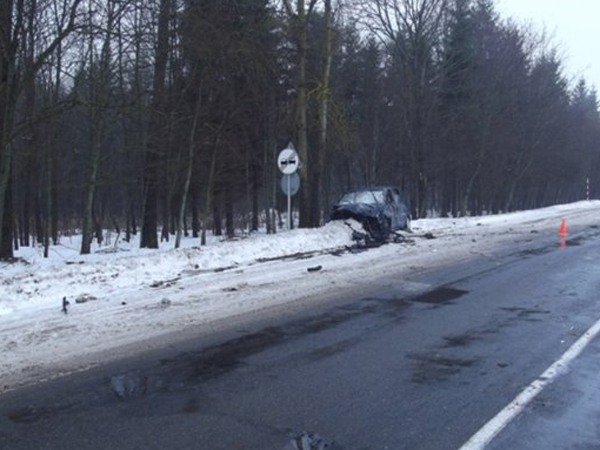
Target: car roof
(372, 188)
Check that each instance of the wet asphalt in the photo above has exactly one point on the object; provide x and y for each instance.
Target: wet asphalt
(391, 370)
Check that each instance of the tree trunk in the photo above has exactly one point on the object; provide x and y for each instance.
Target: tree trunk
(190, 165)
(319, 168)
(229, 225)
(6, 245)
(51, 225)
(301, 113)
(255, 211)
(216, 213)
(149, 238)
(99, 94)
(194, 208)
(481, 154)
(166, 210)
(208, 202)
(8, 98)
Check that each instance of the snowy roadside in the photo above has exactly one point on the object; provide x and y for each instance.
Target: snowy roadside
(130, 295)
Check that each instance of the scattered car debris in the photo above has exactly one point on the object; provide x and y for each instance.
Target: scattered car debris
(236, 288)
(308, 442)
(363, 240)
(223, 269)
(112, 250)
(129, 385)
(84, 298)
(305, 255)
(165, 283)
(398, 238)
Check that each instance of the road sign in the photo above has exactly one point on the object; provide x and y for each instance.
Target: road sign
(288, 161)
(290, 184)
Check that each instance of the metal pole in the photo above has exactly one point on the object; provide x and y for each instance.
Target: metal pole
(587, 189)
(289, 195)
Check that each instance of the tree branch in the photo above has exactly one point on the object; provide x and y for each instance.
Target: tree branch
(71, 26)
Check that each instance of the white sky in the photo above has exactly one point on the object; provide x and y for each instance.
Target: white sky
(575, 26)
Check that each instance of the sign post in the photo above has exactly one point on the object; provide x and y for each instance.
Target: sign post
(288, 163)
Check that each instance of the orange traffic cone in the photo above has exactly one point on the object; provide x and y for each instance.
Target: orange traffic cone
(562, 233)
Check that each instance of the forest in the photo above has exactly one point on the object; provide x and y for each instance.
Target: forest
(164, 118)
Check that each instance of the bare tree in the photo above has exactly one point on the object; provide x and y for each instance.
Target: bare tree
(100, 87)
(412, 31)
(149, 238)
(12, 18)
(324, 95)
(190, 165)
(299, 18)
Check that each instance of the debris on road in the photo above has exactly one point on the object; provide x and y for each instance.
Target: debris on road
(308, 442)
(84, 298)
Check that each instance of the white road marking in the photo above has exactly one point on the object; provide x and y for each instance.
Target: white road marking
(491, 429)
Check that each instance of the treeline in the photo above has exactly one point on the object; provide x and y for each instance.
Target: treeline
(165, 117)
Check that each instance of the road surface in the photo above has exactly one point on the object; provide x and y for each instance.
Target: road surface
(388, 370)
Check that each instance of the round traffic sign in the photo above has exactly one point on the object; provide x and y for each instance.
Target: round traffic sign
(290, 184)
(288, 161)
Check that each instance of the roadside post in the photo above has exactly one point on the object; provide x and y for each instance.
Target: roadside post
(288, 163)
(587, 189)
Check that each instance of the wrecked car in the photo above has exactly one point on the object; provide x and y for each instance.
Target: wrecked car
(380, 210)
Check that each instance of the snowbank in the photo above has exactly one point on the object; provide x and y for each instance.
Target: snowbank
(36, 281)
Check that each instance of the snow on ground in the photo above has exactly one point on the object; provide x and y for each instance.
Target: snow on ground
(132, 295)
(37, 281)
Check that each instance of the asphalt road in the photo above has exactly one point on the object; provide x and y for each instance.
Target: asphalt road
(385, 371)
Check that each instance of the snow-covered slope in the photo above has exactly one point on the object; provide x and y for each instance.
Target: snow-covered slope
(130, 295)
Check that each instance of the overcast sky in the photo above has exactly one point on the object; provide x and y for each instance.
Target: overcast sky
(575, 26)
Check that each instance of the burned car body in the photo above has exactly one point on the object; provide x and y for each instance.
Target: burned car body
(380, 210)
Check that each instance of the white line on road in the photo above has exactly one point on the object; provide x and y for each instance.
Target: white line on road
(491, 429)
